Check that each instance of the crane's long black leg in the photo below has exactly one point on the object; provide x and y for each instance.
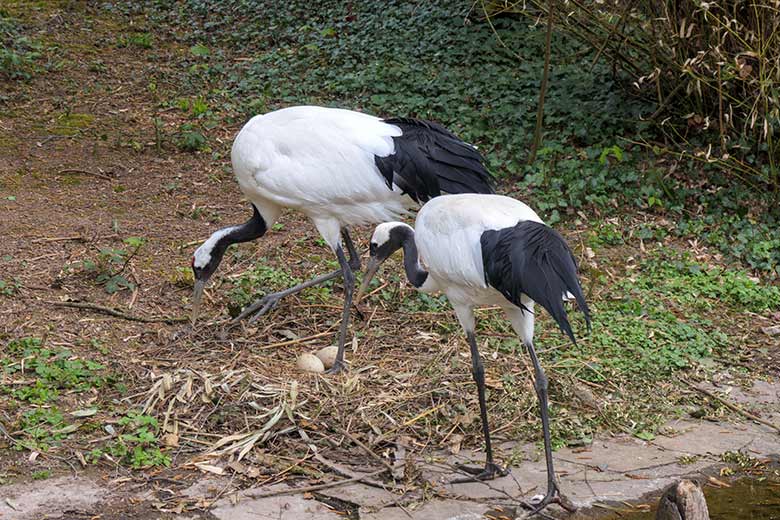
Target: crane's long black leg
(354, 257)
(269, 301)
(491, 469)
(349, 288)
(540, 384)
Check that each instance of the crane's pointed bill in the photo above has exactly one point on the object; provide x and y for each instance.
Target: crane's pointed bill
(371, 269)
(197, 296)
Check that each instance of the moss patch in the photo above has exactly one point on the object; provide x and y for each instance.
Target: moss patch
(71, 124)
(8, 143)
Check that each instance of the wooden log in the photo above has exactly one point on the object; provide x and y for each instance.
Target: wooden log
(683, 500)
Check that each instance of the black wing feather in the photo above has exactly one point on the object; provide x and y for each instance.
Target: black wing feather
(533, 259)
(429, 160)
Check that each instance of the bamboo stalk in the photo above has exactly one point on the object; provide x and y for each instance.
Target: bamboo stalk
(543, 87)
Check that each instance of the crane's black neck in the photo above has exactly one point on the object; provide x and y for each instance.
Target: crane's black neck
(414, 271)
(253, 228)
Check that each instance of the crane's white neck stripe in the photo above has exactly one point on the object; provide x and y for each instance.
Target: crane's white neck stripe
(382, 231)
(202, 255)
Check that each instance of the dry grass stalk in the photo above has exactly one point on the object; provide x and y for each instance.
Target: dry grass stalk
(709, 66)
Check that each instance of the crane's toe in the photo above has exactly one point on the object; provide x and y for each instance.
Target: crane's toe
(553, 496)
(337, 368)
(260, 307)
(488, 472)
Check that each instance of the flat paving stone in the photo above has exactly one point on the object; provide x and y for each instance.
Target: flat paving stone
(282, 507)
(435, 510)
(50, 498)
(360, 494)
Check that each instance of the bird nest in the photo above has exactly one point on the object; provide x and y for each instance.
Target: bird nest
(401, 399)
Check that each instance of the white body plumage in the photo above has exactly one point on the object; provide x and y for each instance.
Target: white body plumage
(320, 161)
(447, 235)
(487, 250)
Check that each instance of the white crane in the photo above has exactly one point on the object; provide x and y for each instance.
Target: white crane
(488, 250)
(340, 168)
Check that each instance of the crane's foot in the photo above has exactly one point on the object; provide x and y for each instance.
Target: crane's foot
(489, 472)
(337, 368)
(553, 496)
(262, 306)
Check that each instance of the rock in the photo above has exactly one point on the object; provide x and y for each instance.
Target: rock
(683, 500)
(771, 331)
(310, 363)
(170, 439)
(328, 356)
(50, 498)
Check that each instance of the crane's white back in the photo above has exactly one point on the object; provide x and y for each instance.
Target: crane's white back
(319, 161)
(448, 231)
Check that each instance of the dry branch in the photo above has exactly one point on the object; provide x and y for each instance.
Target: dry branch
(543, 87)
(117, 313)
(731, 406)
(317, 487)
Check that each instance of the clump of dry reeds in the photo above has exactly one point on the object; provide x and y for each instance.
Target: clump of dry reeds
(712, 68)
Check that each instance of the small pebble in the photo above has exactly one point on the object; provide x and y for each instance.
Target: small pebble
(310, 363)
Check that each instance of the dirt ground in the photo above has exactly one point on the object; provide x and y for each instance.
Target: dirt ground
(82, 171)
(616, 475)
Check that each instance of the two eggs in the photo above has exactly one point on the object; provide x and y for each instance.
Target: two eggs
(319, 361)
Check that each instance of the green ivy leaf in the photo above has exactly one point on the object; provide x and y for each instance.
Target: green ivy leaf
(200, 50)
(645, 435)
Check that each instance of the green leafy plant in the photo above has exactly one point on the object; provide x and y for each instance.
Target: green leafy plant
(110, 264)
(18, 53)
(9, 288)
(138, 445)
(255, 283)
(53, 368)
(141, 40)
(42, 428)
(191, 139)
(41, 474)
(199, 50)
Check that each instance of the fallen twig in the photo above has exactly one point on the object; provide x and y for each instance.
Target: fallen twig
(117, 313)
(733, 407)
(86, 172)
(58, 239)
(365, 448)
(365, 478)
(316, 487)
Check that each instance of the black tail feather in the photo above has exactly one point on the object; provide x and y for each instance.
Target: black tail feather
(533, 259)
(429, 160)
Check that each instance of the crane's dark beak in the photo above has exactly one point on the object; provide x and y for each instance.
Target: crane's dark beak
(371, 269)
(197, 296)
